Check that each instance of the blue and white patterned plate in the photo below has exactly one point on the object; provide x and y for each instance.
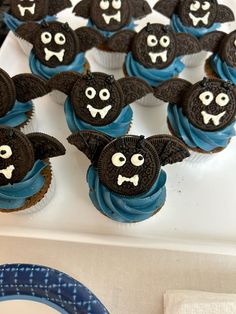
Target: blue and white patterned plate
(48, 286)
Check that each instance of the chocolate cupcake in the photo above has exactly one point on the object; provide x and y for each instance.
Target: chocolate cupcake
(32, 10)
(154, 54)
(126, 181)
(96, 101)
(26, 174)
(17, 108)
(201, 115)
(109, 17)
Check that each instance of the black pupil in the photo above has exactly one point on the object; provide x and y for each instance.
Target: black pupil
(2, 152)
(61, 38)
(165, 40)
(90, 92)
(47, 36)
(153, 40)
(140, 158)
(207, 97)
(223, 98)
(121, 159)
(105, 94)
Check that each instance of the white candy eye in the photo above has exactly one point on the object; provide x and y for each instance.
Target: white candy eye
(165, 41)
(5, 151)
(137, 160)
(235, 43)
(104, 4)
(152, 41)
(116, 4)
(206, 6)
(60, 39)
(206, 98)
(46, 38)
(118, 159)
(195, 6)
(222, 99)
(90, 92)
(104, 94)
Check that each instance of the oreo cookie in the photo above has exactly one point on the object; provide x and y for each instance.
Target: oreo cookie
(97, 98)
(36, 10)
(130, 165)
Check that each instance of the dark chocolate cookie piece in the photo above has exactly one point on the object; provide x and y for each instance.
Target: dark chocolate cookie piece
(7, 93)
(227, 49)
(29, 10)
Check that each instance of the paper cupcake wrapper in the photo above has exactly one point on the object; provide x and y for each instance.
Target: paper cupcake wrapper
(31, 125)
(198, 158)
(150, 101)
(195, 60)
(25, 45)
(109, 60)
(58, 97)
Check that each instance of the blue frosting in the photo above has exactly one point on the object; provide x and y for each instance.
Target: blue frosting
(126, 208)
(17, 115)
(12, 22)
(13, 196)
(225, 71)
(194, 137)
(117, 128)
(151, 75)
(178, 26)
(107, 34)
(46, 72)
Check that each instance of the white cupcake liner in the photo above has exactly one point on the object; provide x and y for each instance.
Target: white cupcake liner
(25, 45)
(195, 60)
(58, 97)
(31, 125)
(109, 60)
(199, 158)
(150, 101)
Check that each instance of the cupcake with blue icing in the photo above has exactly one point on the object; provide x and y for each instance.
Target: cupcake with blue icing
(196, 17)
(96, 101)
(202, 115)
(109, 17)
(126, 180)
(17, 93)
(32, 10)
(25, 169)
(155, 53)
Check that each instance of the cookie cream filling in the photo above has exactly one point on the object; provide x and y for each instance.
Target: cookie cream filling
(215, 118)
(7, 172)
(162, 55)
(197, 20)
(108, 18)
(49, 54)
(24, 9)
(102, 112)
(134, 180)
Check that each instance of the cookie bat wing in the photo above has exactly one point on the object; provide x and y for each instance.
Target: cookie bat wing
(187, 44)
(121, 41)
(64, 81)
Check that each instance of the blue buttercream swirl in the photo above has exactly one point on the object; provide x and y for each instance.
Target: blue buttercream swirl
(13, 196)
(120, 126)
(178, 26)
(194, 137)
(12, 22)
(225, 71)
(107, 34)
(152, 76)
(126, 208)
(17, 115)
(46, 72)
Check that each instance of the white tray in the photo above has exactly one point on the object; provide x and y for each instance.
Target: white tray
(200, 211)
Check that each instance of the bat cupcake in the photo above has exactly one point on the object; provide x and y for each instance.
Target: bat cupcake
(17, 109)
(126, 182)
(202, 115)
(25, 170)
(96, 101)
(109, 17)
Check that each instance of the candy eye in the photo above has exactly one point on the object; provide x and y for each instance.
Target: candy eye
(222, 99)
(60, 39)
(104, 4)
(116, 4)
(90, 92)
(104, 94)
(152, 41)
(206, 98)
(195, 6)
(118, 159)
(165, 41)
(46, 38)
(137, 160)
(5, 151)
(235, 43)
(206, 6)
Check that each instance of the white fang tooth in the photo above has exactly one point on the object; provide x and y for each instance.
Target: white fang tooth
(49, 54)
(24, 9)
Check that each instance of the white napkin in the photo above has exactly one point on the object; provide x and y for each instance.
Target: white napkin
(198, 302)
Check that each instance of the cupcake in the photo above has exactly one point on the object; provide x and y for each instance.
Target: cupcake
(154, 54)
(26, 174)
(58, 48)
(109, 17)
(222, 63)
(17, 109)
(96, 101)
(201, 115)
(195, 17)
(32, 10)
(126, 182)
